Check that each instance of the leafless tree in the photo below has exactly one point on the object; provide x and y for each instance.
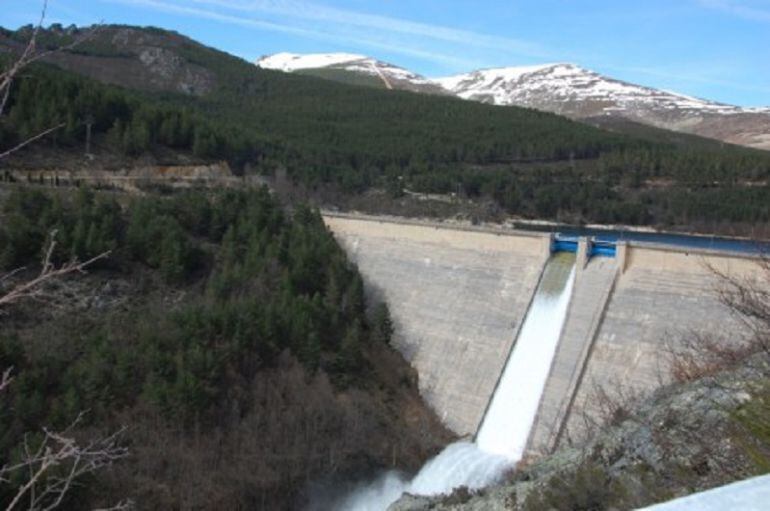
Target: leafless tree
(6, 378)
(27, 56)
(605, 405)
(55, 463)
(747, 297)
(8, 75)
(33, 288)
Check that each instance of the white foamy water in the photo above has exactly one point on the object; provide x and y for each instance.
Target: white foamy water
(459, 464)
(503, 435)
(507, 423)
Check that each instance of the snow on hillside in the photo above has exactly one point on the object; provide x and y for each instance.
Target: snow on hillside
(290, 62)
(565, 88)
(562, 88)
(568, 83)
(488, 78)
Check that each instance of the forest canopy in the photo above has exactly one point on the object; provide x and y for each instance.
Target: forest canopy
(354, 139)
(208, 305)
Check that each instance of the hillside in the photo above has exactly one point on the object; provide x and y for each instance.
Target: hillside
(579, 93)
(565, 89)
(341, 140)
(227, 337)
(352, 69)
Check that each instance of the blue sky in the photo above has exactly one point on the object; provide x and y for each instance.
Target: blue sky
(715, 49)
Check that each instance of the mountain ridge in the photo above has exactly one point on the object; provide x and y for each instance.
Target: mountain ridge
(383, 74)
(343, 142)
(570, 90)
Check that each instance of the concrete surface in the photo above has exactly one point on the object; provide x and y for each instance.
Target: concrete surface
(661, 298)
(457, 297)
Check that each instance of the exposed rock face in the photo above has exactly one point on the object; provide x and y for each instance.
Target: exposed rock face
(681, 440)
(132, 179)
(165, 67)
(143, 59)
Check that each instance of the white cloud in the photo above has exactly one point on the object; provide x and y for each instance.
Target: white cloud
(759, 10)
(215, 16)
(321, 13)
(367, 29)
(688, 77)
(352, 36)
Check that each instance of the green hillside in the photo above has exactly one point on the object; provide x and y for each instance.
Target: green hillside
(344, 76)
(227, 337)
(354, 138)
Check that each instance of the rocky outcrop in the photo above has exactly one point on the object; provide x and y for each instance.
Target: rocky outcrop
(137, 58)
(684, 439)
(131, 179)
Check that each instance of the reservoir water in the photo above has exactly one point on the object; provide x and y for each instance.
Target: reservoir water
(693, 241)
(504, 431)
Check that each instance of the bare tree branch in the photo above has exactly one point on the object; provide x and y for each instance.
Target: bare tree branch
(30, 140)
(58, 461)
(46, 487)
(125, 505)
(6, 378)
(28, 56)
(32, 288)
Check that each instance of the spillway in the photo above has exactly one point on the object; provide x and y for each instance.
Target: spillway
(514, 404)
(503, 435)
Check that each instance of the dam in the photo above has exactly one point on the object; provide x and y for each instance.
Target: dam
(459, 297)
(502, 437)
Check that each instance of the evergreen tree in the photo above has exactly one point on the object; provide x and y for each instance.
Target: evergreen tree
(382, 325)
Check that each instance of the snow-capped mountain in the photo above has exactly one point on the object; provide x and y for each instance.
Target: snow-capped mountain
(570, 90)
(381, 73)
(564, 89)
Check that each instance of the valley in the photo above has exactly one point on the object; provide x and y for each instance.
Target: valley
(324, 282)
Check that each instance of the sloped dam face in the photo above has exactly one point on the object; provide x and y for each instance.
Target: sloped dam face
(600, 318)
(504, 431)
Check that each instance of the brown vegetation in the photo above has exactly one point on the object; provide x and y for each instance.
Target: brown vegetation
(48, 465)
(700, 355)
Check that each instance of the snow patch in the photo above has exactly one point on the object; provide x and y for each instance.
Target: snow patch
(290, 62)
(569, 84)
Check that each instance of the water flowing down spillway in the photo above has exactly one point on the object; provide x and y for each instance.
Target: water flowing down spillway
(507, 423)
(504, 431)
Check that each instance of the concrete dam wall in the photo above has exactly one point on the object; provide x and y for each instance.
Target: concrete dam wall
(662, 296)
(458, 296)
